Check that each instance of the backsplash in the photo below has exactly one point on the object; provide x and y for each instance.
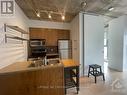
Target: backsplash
(52, 49)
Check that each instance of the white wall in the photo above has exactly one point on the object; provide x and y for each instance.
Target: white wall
(76, 42)
(125, 52)
(10, 53)
(48, 24)
(93, 40)
(87, 34)
(75, 38)
(116, 43)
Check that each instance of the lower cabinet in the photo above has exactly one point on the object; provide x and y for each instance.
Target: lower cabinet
(42, 81)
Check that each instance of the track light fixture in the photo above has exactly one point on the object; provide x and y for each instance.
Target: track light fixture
(49, 15)
(63, 17)
(83, 4)
(111, 8)
(38, 14)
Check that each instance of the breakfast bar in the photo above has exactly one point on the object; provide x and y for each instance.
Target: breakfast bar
(52, 78)
(71, 74)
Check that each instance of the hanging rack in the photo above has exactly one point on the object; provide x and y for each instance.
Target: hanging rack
(16, 28)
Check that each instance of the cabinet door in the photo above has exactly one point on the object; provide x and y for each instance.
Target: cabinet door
(51, 39)
(64, 34)
(35, 33)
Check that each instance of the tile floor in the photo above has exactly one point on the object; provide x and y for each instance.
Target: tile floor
(115, 84)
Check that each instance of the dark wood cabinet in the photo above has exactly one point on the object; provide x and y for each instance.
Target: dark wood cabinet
(51, 35)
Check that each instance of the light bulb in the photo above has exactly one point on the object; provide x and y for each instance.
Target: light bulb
(50, 16)
(63, 17)
(111, 8)
(38, 14)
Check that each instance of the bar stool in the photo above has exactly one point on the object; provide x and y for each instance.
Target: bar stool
(96, 71)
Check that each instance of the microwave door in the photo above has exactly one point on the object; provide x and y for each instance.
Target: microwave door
(35, 43)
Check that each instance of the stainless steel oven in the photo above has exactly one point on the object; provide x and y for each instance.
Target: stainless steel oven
(37, 42)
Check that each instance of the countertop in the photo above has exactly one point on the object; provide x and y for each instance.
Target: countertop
(23, 66)
(18, 66)
(69, 63)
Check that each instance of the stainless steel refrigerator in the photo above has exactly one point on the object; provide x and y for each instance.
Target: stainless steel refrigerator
(65, 49)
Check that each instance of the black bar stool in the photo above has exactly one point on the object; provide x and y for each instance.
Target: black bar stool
(96, 71)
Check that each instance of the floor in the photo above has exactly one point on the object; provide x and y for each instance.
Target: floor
(115, 84)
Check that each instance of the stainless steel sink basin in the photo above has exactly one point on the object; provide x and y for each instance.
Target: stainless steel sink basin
(38, 63)
(53, 61)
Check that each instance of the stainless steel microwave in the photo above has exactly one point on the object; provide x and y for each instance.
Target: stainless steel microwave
(37, 42)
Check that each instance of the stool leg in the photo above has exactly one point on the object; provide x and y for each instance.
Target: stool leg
(95, 79)
(103, 77)
(65, 91)
(89, 72)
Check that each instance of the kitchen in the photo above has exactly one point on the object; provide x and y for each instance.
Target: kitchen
(34, 55)
(47, 58)
(49, 47)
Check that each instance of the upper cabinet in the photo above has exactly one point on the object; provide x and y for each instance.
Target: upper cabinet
(51, 35)
(63, 34)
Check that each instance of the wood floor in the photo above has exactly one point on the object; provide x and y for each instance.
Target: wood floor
(115, 84)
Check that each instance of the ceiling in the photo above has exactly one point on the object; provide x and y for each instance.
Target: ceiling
(70, 8)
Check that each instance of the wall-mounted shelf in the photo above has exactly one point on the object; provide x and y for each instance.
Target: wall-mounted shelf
(17, 38)
(17, 29)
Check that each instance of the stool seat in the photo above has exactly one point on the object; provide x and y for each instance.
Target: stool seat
(95, 66)
(96, 71)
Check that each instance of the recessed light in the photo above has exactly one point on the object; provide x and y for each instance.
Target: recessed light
(111, 8)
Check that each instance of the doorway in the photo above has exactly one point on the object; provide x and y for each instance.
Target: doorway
(106, 49)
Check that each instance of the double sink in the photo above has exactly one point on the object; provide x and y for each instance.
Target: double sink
(44, 62)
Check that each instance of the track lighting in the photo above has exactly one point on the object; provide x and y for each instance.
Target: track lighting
(50, 13)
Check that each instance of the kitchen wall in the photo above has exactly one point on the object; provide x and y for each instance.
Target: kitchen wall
(48, 24)
(75, 38)
(10, 53)
(125, 51)
(117, 28)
